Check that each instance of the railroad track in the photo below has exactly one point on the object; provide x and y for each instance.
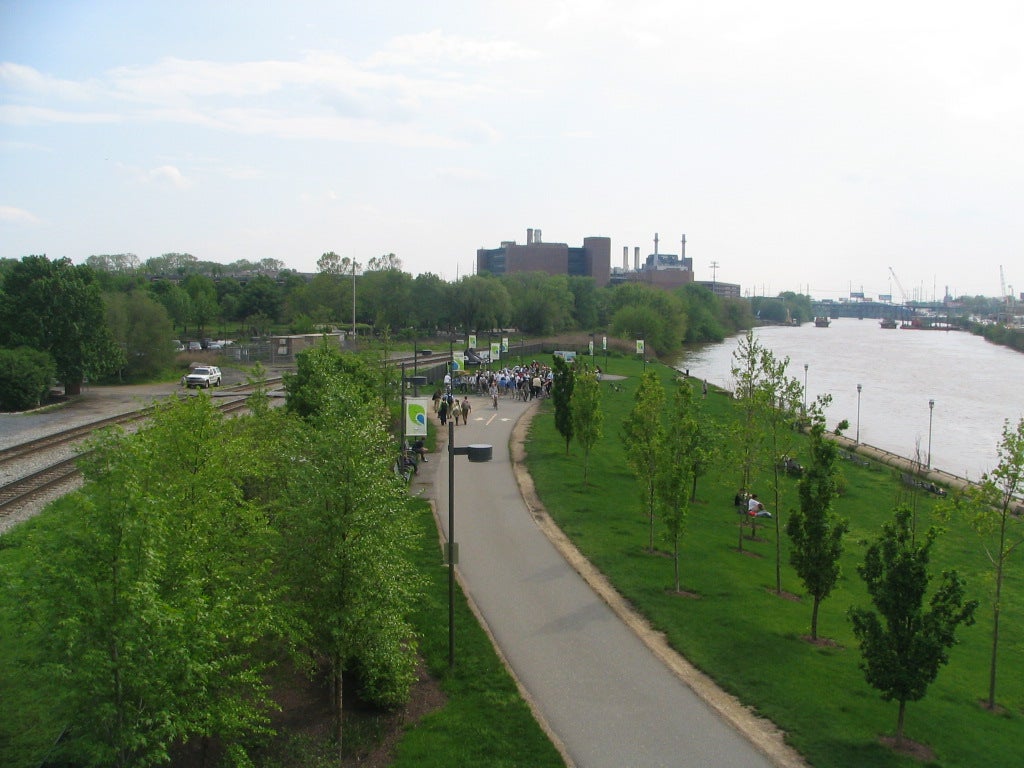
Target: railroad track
(23, 489)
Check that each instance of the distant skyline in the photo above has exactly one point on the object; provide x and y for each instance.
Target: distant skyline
(800, 146)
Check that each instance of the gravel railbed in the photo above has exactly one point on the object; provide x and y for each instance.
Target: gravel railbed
(94, 404)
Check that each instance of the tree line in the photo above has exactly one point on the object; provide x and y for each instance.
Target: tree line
(113, 318)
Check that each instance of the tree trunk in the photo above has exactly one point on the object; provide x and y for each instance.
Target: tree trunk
(72, 388)
(899, 723)
(338, 701)
(995, 650)
(814, 618)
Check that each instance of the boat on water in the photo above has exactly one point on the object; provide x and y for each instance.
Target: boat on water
(888, 323)
(821, 322)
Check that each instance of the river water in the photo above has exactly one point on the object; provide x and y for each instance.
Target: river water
(976, 386)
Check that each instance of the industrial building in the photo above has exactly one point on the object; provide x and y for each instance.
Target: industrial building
(592, 260)
(667, 271)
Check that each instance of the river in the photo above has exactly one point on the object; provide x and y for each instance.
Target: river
(975, 385)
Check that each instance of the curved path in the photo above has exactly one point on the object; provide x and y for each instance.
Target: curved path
(605, 686)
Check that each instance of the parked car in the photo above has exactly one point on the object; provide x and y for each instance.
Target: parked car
(195, 346)
(204, 376)
(178, 346)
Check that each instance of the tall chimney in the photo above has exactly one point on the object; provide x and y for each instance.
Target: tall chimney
(636, 258)
(536, 236)
(529, 236)
(682, 255)
(625, 258)
(655, 245)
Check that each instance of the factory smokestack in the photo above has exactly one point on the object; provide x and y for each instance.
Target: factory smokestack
(636, 258)
(625, 258)
(529, 236)
(682, 254)
(655, 244)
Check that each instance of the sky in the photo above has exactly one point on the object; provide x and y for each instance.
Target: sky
(805, 146)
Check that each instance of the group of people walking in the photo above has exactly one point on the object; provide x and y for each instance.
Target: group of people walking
(447, 406)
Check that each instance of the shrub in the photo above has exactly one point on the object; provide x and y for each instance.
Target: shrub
(25, 376)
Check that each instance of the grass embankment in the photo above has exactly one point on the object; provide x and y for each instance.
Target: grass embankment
(752, 641)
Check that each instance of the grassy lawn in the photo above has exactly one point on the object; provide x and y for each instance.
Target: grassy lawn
(750, 640)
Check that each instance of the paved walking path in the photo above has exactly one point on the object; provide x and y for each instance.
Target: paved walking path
(588, 669)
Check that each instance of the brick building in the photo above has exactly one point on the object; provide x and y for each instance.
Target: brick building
(592, 260)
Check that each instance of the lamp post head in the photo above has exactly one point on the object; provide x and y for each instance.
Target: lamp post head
(931, 403)
(858, 389)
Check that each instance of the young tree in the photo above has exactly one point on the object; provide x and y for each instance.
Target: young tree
(587, 416)
(747, 375)
(642, 433)
(673, 466)
(779, 397)
(903, 645)
(815, 530)
(561, 396)
(345, 539)
(990, 507)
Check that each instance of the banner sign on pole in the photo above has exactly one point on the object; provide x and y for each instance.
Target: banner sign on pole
(604, 343)
(472, 341)
(416, 416)
(591, 347)
(458, 362)
(495, 351)
(639, 346)
(504, 343)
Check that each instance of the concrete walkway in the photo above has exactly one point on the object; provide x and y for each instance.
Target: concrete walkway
(603, 684)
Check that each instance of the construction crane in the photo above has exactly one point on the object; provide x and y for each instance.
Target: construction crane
(903, 292)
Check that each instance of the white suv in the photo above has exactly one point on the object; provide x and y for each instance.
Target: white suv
(205, 376)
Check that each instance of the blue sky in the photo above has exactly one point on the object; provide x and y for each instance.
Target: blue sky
(798, 145)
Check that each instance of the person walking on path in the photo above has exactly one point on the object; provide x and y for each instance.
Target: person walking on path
(466, 408)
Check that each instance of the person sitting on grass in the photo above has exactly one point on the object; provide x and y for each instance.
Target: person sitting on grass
(755, 508)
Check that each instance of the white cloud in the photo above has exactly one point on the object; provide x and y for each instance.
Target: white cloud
(168, 174)
(11, 215)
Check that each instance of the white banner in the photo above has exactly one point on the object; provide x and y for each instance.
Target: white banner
(458, 362)
(472, 341)
(416, 416)
(604, 343)
(495, 351)
(504, 343)
(639, 346)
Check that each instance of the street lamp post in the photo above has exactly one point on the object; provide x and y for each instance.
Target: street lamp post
(931, 412)
(475, 453)
(858, 414)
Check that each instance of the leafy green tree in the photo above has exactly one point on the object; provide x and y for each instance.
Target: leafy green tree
(561, 397)
(815, 530)
(176, 301)
(541, 303)
(345, 548)
(585, 301)
(702, 314)
(779, 397)
(990, 507)
(261, 296)
(674, 467)
(903, 645)
(642, 434)
(152, 595)
(587, 416)
(748, 375)
(56, 307)
(481, 302)
(308, 389)
(25, 376)
(141, 326)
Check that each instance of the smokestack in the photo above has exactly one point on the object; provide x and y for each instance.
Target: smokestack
(682, 254)
(636, 258)
(655, 245)
(529, 236)
(625, 258)
(536, 236)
